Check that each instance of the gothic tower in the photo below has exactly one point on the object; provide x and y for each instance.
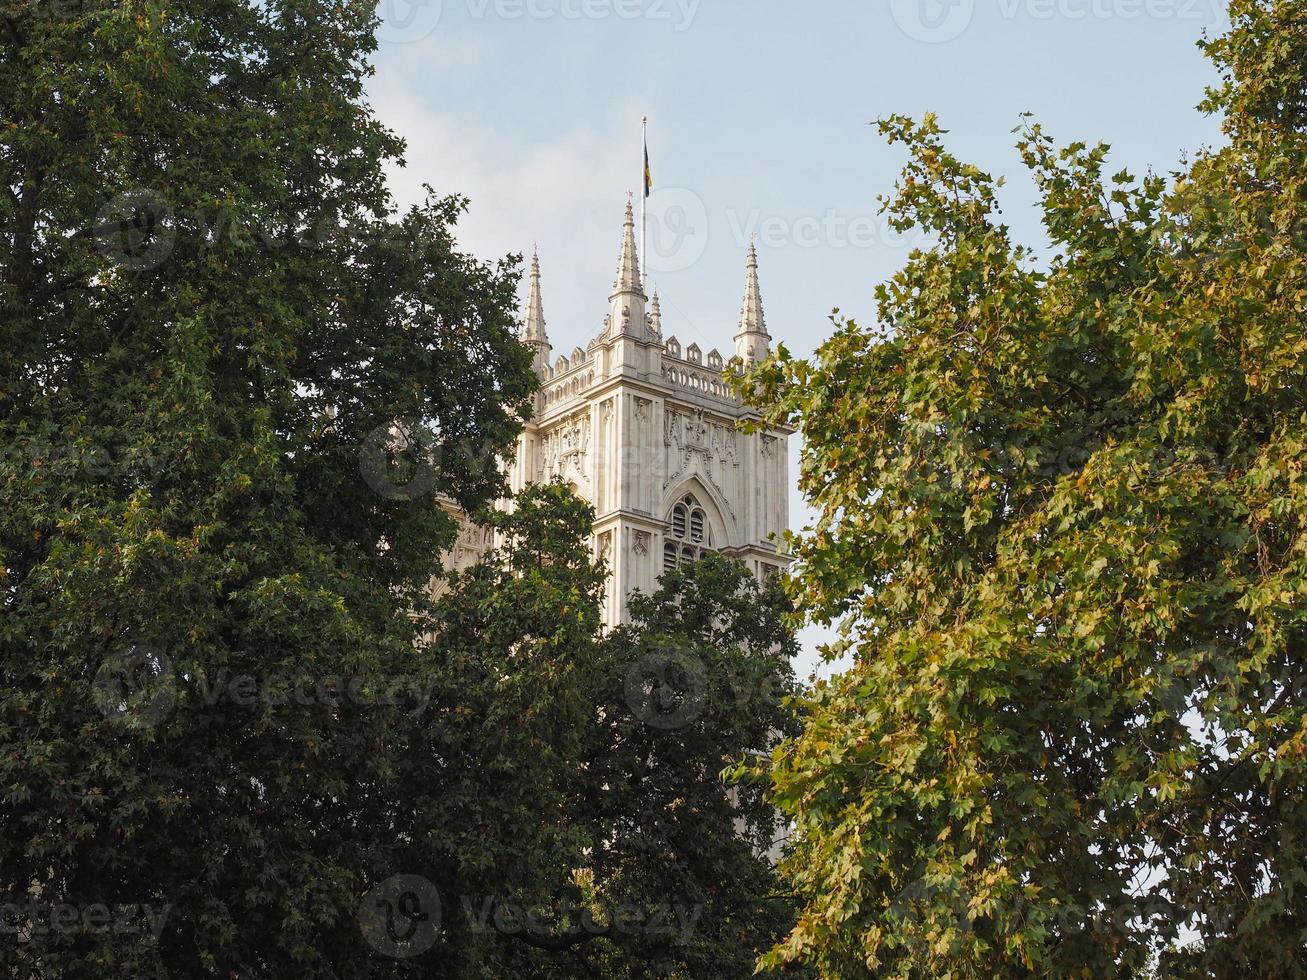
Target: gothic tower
(646, 432)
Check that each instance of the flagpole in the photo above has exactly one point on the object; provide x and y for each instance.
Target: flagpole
(644, 209)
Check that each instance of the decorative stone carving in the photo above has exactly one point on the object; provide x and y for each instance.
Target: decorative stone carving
(672, 428)
(565, 450)
(696, 431)
(641, 545)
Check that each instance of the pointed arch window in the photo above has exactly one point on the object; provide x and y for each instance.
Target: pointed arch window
(689, 536)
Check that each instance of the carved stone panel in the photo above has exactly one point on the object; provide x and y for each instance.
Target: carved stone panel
(565, 451)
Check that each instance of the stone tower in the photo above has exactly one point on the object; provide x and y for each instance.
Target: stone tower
(646, 432)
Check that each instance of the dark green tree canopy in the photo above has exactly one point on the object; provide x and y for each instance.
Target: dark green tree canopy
(1061, 513)
(214, 333)
(240, 735)
(563, 794)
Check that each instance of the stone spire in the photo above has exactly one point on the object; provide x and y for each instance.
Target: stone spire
(656, 318)
(533, 328)
(752, 343)
(628, 263)
(626, 315)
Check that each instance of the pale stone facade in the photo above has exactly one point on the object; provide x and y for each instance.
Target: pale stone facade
(646, 432)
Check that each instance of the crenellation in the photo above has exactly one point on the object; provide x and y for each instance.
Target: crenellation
(687, 374)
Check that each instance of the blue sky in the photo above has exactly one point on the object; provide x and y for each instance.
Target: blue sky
(760, 117)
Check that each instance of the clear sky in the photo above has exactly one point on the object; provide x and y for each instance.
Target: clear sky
(760, 117)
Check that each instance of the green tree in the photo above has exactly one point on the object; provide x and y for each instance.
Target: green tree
(210, 323)
(587, 785)
(1061, 505)
(699, 681)
(490, 774)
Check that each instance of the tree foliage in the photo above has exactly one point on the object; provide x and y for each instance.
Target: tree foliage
(1061, 504)
(209, 320)
(585, 827)
(699, 681)
(239, 734)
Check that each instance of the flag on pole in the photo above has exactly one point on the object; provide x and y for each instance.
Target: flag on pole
(648, 175)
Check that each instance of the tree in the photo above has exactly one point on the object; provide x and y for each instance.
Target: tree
(488, 771)
(698, 682)
(239, 736)
(581, 825)
(217, 346)
(1061, 511)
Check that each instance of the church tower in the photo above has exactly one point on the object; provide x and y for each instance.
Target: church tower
(647, 433)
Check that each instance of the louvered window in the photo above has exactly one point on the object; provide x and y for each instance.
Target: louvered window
(696, 526)
(689, 536)
(679, 516)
